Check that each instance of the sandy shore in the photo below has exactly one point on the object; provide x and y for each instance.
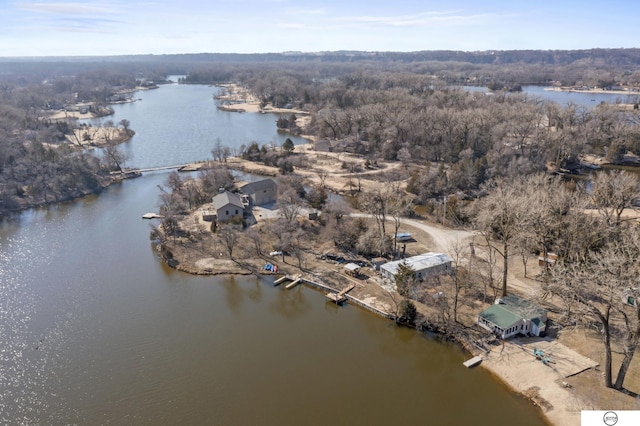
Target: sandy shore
(62, 115)
(544, 384)
(97, 136)
(239, 99)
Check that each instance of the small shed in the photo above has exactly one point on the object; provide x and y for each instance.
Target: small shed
(352, 269)
(551, 259)
(208, 215)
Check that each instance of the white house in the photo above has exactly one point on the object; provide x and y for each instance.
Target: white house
(425, 265)
(512, 315)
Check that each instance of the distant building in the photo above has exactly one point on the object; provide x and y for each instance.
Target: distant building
(227, 206)
(425, 265)
(513, 315)
(550, 260)
(261, 192)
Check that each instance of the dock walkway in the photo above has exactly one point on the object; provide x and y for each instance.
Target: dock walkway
(340, 297)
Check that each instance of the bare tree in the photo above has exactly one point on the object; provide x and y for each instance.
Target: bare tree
(602, 289)
(256, 238)
(228, 235)
(126, 126)
(460, 275)
(398, 204)
(613, 192)
(378, 203)
(499, 219)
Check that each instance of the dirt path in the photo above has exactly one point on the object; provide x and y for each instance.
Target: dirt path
(443, 238)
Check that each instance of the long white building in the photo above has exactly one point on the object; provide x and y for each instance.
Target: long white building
(425, 265)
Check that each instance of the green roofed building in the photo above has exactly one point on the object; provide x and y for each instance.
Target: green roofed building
(513, 315)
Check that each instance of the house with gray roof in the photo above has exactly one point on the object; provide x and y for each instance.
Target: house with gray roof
(228, 206)
(511, 315)
(261, 192)
(425, 265)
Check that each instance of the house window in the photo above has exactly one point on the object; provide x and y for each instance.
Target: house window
(227, 212)
(236, 211)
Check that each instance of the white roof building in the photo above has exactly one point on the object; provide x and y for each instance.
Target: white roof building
(426, 264)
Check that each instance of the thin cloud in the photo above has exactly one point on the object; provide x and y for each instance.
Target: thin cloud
(306, 12)
(88, 17)
(292, 26)
(67, 9)
(422, 19)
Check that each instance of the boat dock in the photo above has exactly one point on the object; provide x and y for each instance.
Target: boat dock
(340, 296)
(293, 283)
(332, 293)
(472, 362)
(295, 280)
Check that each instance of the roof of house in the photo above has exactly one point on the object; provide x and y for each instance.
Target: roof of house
(510, 310)
(419, 262)
(500, 316)
(352, 267)
(259, 185)
(226, 198)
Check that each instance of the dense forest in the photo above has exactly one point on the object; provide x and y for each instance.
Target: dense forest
(395, 106)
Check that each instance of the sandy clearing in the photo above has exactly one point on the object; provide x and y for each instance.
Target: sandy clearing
(514, 363)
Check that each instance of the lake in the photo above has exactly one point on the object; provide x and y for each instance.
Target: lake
(95, 329)
(179, 124)
(586, 100)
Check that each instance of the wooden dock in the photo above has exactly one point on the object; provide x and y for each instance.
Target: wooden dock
(294, 279)
(281, 280)
(340, 296)
(293, 283)
(472, 362)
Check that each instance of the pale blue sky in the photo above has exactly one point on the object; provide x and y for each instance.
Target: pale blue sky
(115, 27)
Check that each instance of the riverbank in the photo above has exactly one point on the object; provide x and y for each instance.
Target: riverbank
(15, 205)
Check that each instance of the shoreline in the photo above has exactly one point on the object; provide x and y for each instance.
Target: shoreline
(594, 91)
(238, 99)
(507, 362)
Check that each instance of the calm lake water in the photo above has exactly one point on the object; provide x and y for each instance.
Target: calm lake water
(586, 100)
(94, 329)
(178, 124)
